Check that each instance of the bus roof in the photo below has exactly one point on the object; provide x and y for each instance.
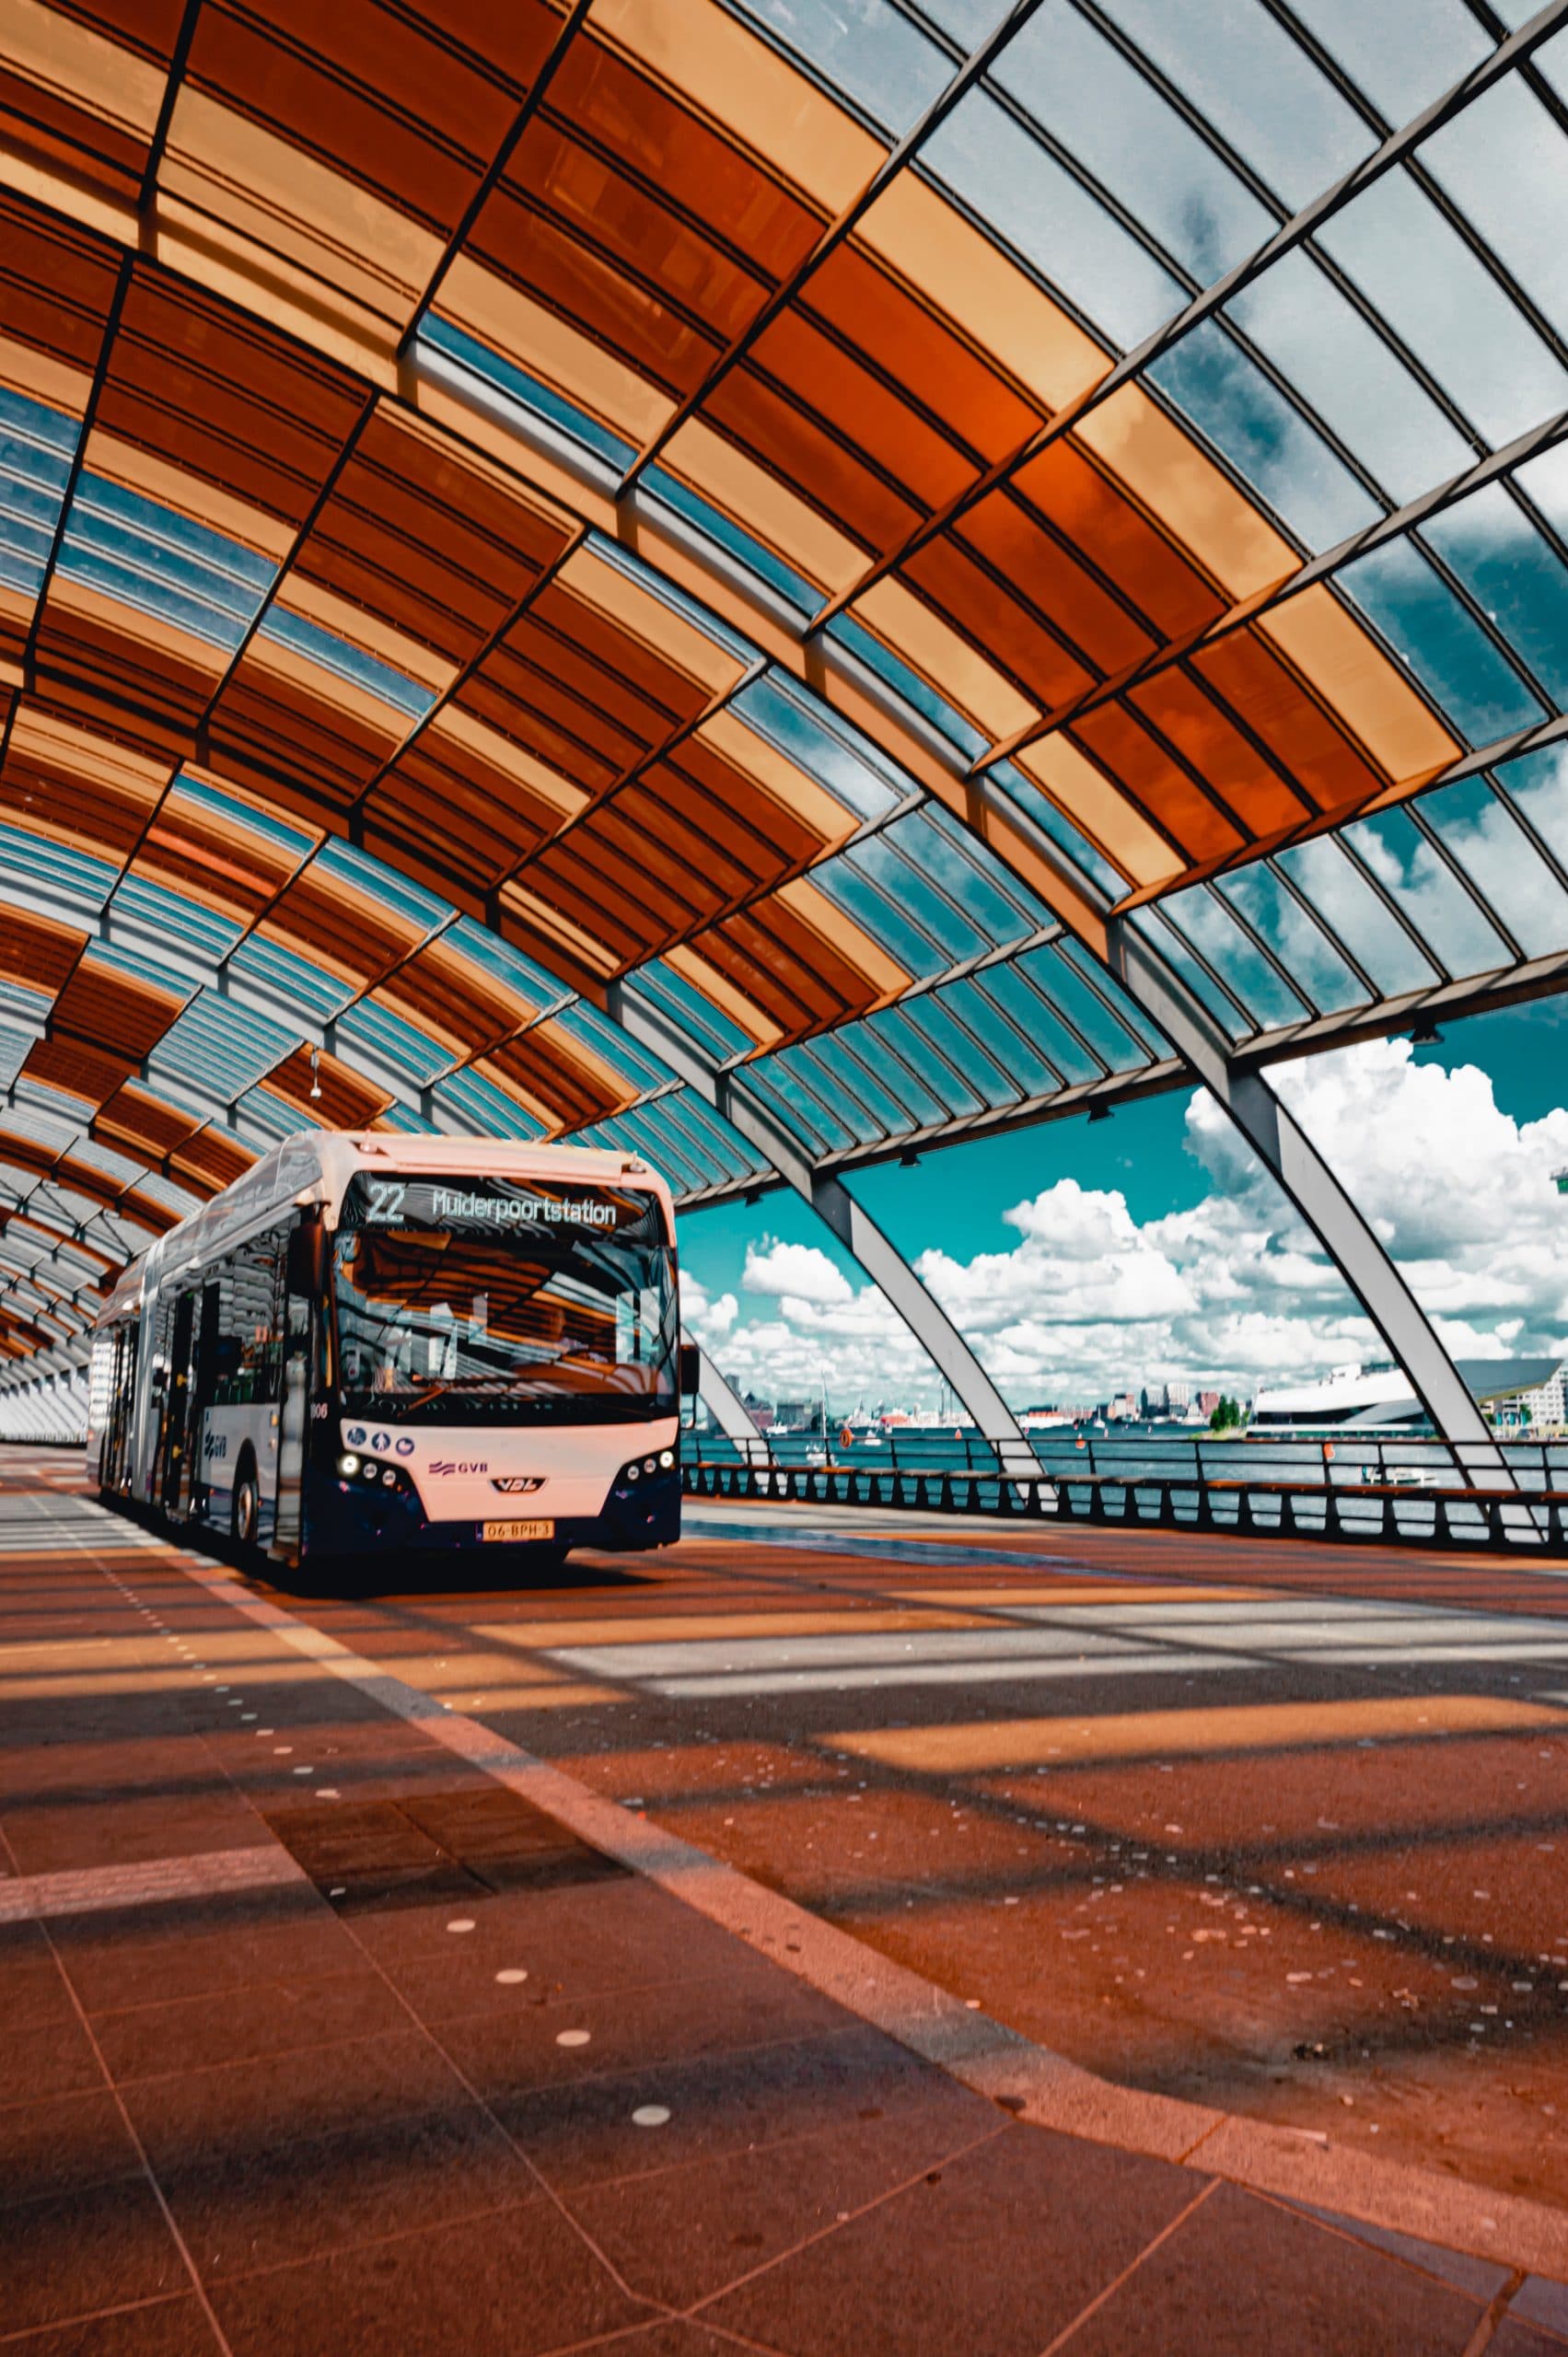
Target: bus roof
(316, 1166)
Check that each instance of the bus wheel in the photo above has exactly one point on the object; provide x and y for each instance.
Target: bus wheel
(244, 1513)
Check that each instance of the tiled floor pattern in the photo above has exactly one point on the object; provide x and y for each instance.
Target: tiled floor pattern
(237, 2112)
(1271, 1826)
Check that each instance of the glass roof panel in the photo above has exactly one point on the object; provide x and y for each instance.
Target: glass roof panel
(867, 49)
(1544, 481)
(967, 21)
(289, 979)
(1379, 943)
(1017, 1053)
(1079, 87)
(1211, 929)
(1028, 1012)
(532, 403)
(608, 1042)
(139, 901)
(918, 693)
(263, 1117)
(1490, 846)
(895, 927)
(473, 1102)
(997, 900)
(631, 1132)
(36, 447)
(775, 1087)
(392, 1042)
(1355, 383)
(519, 974)
(928, 1050)
(689, 1112)
(1477, 691)
(1538, 784)
(38, 863)
(351, 663)
(1265, 438)
(344, 863)
(872, 1081)
(1095, 1004)
(1447, 308)
(406, 1118)
(827, 748)
(993, 165)
(1012, 783)
(1276, 916)
(735, 546)
(1257, 86)
(712, 1032)
(1173, 949)
(1415, 875)
(804, 1066)
(1515, 577)
(940, 1015)
(1504, 162)
(220, 1046)
(16, 1046)
(877, 1046)
(1403, 53)
(269, 824)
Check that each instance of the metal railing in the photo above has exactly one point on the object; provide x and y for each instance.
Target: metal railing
(1434, 1510)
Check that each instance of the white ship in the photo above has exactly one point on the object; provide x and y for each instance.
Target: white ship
(1527, 1393)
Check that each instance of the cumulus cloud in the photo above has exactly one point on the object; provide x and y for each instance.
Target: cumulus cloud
(1231, 1291)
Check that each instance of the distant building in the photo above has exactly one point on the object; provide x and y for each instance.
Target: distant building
(1170, 1399)
(1207, 1402)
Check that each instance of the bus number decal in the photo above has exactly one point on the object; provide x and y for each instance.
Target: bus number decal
(385, 1200)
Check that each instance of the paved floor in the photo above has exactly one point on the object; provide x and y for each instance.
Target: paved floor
(330, 2019)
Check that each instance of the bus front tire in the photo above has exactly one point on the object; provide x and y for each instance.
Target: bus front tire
(245, 1508)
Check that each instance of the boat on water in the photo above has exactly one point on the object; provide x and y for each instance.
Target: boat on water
(1522, 1394)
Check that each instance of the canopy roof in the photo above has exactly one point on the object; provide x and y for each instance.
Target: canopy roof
(789, 530)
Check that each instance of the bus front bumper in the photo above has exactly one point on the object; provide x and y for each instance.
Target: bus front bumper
(351, 1517)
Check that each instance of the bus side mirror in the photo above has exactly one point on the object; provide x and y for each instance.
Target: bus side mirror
(691, 1370)
(308, 1256)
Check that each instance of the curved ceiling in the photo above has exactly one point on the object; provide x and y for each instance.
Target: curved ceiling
(795, 523)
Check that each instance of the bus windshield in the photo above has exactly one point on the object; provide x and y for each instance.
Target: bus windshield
(488, 1300)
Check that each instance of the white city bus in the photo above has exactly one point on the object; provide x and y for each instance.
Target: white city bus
(379, 1341)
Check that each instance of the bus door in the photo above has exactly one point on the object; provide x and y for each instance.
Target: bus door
(302, 1281)
(174, 1436)
(203, 1393)
(113, 1471)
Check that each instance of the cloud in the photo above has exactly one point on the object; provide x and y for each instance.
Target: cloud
(798, 1271)
(1232, 1290)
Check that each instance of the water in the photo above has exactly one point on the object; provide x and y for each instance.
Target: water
(1144, 1452)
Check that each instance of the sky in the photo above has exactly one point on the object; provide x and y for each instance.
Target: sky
(1083, 1259)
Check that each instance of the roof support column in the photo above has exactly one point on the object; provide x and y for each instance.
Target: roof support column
(729, 1411)
(851, 1223)
(1323, 1202)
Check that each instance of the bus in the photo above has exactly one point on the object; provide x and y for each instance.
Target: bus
(374, 1342)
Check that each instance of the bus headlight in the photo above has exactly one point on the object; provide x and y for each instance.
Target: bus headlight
(349, 1464)
(667, 1457)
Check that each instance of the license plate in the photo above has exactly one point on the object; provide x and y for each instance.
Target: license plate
(516, 1530)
